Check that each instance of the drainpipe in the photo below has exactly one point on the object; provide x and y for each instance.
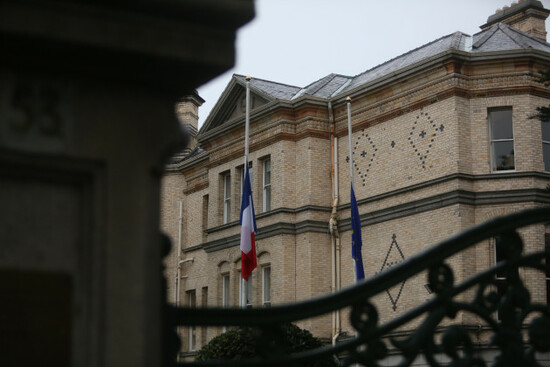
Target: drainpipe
(333, 223)
(178, 276)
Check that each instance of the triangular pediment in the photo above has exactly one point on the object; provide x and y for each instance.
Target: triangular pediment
(232, 104)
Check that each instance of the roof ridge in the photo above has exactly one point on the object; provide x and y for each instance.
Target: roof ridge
(408, 52)
(487, 33)
(327, 80)
(266, 80)
(317, 81)
(509, 27)
(505, 29)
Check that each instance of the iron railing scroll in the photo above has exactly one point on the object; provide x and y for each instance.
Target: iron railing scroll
(519, 328)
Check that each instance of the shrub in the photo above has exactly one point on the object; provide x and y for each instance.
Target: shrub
(241, 343)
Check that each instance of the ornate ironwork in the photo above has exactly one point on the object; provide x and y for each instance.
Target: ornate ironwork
(519, 328)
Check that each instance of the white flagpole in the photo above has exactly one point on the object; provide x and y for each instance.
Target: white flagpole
(244, 285)
(247, 121)
(348, 101)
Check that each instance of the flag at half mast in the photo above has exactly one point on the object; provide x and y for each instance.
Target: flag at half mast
(247, 219)
(248, 230)
(356, 241)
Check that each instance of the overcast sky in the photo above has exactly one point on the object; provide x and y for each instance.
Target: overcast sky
(297, 42)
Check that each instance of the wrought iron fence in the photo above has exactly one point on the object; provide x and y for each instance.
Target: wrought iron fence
(519, 328)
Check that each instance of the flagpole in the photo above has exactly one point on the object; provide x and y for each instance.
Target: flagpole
(247, 121)
(244, 285)
(348, 101)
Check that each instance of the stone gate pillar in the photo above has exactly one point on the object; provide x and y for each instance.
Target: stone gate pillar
(87, 93)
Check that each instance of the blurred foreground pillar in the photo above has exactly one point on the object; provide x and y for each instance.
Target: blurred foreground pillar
(87, 93)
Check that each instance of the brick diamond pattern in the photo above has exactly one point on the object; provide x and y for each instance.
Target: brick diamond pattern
(394, 257)
(423, 136)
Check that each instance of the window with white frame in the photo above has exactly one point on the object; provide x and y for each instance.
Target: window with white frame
(225, 294)
(501, 279)
(266, 184)
(192, 335)
(246, 285)
(250, 173)
(547, 272)
(225, 290)
(545, 127)
(501, 130)
(226, 183)
(266, 286)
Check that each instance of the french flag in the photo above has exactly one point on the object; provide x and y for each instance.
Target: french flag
(248, 229)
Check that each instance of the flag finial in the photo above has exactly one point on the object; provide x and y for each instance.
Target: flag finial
(248, 77)
(348, 99)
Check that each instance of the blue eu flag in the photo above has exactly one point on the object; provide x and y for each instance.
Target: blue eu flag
(356, 242)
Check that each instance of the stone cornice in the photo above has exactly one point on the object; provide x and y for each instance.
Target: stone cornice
(442, 59)
(283, 210)
(453, 197)
(539, 196)
(265, 232)
(451, 177)
(188, 162)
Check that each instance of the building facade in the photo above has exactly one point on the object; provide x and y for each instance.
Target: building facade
(442, 139)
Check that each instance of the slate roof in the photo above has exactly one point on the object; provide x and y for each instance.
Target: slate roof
(325, 87)
(499, 37)
(453, 41)
(273, 89)
(503, 37)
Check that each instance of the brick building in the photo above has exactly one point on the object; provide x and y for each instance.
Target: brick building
(442, 140)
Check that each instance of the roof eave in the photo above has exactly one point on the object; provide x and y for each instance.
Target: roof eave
(434, 60)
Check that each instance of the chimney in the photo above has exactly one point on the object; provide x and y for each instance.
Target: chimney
(527, 16)
(187, 112)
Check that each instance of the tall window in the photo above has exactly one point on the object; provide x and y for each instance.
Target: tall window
(226, 182)
(248, 295)
(501, 280)
(204, 222)
(225, 290)
(204, 304)
(502, 139)
(192, 302)
(266, 286)
(266, 184)
(545, 127)
(250, 173)
(225, 294)
(547, 259)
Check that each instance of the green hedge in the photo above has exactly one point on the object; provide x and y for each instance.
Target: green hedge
(242, 343)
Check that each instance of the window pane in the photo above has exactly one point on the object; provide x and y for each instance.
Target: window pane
(226, 197)
(227, 186)
(501, 124)
(546, 156)
(267, 179)
(266, 285)
(545, 130)
(267, 199)
(503, 155)
(225, 290)
(249, 294)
